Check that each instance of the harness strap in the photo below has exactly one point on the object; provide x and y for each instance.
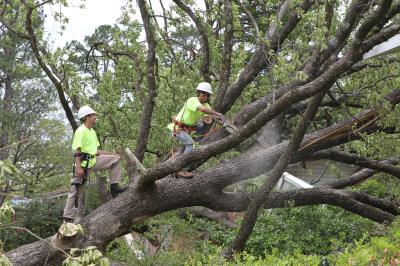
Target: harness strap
(184, 127)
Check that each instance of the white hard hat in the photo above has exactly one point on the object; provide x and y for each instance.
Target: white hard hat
(204, 86)
(84, 111)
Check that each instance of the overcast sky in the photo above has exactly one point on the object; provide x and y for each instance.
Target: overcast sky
(82, 22)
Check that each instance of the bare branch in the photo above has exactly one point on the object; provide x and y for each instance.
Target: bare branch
(371, 21)
(43, 3)
(357, 177)
(47, 69)
(209, 214)
(38, 237)
(380, 37)
(227, 53)
(205, 68)
(349, 158)
(336, 44)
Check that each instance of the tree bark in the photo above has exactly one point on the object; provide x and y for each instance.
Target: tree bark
(145, 120)
(115, 217)
(6, 117)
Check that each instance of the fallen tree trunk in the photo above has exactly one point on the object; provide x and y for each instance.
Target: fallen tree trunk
(115, 217)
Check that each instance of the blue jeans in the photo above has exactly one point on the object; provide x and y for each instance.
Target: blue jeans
(187, 140)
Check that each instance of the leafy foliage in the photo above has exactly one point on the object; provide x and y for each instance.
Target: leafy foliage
(85, 257)
(39, 217)
(6, 211)
(377, 250)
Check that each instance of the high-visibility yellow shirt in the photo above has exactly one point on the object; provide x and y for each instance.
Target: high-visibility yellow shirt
(86, 139)
(189, 115)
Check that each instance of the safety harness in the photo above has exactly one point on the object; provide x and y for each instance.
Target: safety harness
(85, 157)
(179, 126)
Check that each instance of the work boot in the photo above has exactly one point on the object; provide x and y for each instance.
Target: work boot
(185, 174)
(115, 190)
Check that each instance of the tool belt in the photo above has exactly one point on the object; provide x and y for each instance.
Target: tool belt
(179, 126)
(85, 157)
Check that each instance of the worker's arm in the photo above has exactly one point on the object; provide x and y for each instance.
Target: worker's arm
(78, 168)
(210, 111)
(207, 110)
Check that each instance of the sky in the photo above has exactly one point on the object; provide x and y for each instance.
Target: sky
(82, 22)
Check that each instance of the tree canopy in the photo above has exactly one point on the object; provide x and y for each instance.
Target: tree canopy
(290, 70)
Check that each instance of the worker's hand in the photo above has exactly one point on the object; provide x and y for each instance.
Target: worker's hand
(221, 118)
(79, 171)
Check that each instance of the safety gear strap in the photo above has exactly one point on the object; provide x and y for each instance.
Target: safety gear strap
(184, 127)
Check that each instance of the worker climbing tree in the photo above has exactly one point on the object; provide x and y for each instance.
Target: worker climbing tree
(189, 125)
(88, 158)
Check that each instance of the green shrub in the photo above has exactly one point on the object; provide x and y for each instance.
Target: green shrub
(382, 250)
(39, 217)
(308, 230)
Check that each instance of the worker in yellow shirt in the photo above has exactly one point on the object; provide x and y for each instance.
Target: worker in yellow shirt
(189, 120)
(88, 158)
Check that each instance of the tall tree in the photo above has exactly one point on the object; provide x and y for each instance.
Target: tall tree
(300, 50)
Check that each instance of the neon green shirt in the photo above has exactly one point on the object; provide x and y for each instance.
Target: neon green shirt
(86, 139)
(189, 115)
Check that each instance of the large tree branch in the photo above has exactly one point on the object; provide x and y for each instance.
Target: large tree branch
(203, 190)
(227, 54)
(349, 158)
(381, 204)
(295, 95)
(357, 177)
(145, 120)
(381, 211)
(115, 217)
(47, 69)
